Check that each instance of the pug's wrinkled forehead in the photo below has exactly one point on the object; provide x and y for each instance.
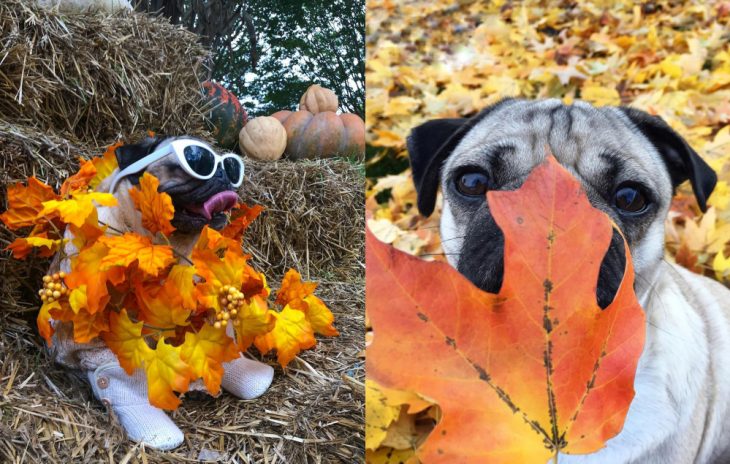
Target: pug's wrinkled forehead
(595, 144)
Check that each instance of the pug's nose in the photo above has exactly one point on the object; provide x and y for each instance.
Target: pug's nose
(220, 175)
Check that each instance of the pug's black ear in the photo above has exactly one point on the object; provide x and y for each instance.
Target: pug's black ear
(128, 154)
(428, 147)
(681, 160)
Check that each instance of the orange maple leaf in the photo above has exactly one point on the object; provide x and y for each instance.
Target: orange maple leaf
(80, 180)
(88, 326)
(131, 247)
(156, 207)
(86, 271)
(241, 218)
(535, 370)
(291, 334)
(162, 306)
(25, 202)
(22, 246)
(293, 288)
(205, 352)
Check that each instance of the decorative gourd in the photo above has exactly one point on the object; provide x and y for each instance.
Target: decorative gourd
(263, 138)
(322, 135)
(318, 100)
(226, 116)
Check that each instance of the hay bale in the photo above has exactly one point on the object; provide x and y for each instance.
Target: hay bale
(94, 77)
(313, 219)
(314, 410)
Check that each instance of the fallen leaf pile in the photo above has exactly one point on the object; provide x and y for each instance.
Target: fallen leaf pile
(437, 59)
(156, 309)
(520, 376)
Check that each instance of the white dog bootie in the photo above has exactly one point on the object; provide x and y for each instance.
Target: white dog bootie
(127, 396)
(246, 378)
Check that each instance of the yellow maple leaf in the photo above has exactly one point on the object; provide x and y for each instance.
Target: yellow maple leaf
(379, 415)
(125, 339)
(156, 207)
(299, 295)
(205, 352)
(78, 299)
(45, 329)
(166, 372)
(25, 202)
(105, 164)
(131, 247)
(600, 95)
(320, 316)
(291, 334)
(254, 319)
(79, 207)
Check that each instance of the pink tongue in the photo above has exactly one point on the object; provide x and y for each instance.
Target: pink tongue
(221, 201)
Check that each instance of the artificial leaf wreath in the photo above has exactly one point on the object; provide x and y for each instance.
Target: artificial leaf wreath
(156, 309)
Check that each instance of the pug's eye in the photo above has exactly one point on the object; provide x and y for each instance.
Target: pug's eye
(472, 184)
(629, 198)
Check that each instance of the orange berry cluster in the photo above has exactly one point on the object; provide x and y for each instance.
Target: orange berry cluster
(231, 300)
(53, 287)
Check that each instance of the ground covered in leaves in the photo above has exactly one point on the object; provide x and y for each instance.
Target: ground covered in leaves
(430, 60)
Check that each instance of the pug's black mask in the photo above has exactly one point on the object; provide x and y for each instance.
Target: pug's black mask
(197, 202)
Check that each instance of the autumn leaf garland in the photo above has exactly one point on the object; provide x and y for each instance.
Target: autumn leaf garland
(157, 310)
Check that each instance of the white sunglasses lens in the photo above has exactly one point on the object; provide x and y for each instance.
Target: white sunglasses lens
(200, 160)
(234, 169)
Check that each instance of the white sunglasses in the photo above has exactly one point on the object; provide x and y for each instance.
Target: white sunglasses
(197, 159)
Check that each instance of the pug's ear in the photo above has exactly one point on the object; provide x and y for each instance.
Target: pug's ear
(682, 161)
(128, 154)
(430, 144)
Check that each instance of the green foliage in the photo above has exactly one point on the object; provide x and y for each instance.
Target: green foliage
(299, 43)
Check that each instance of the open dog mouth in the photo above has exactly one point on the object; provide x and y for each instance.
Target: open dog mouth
(191, 217)
(216, 204)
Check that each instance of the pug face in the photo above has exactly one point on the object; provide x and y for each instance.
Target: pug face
(628, 162)
(197, 202)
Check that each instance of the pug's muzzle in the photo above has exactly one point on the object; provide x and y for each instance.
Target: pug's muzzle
(197, 202)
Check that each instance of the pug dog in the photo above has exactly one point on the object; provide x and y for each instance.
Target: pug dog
(629, 164)
(202, 186)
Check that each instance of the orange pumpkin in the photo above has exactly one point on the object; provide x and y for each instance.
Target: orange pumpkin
(317, 99)
(322, 135)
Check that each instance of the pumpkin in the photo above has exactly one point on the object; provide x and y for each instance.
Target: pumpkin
(263, 138)
(322, 135)
(225, 117)
(318, 100)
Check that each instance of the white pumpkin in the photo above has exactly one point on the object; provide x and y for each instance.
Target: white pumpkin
(263, 138)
